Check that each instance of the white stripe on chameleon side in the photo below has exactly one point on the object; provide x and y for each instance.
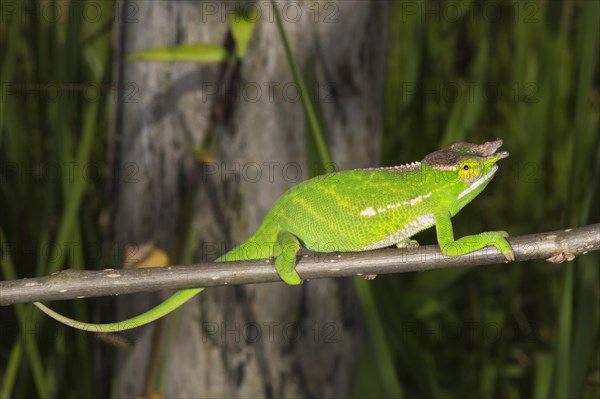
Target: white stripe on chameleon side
(369, 211)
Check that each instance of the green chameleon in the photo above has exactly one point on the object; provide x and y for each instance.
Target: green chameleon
(359, 210)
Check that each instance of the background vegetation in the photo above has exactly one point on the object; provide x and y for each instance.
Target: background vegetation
(527, 72)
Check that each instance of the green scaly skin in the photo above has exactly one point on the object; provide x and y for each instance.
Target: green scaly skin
(359, 210)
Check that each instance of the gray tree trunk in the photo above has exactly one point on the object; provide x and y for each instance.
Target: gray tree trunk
(263, 340)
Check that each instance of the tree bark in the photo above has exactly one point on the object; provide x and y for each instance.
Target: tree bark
(263, 340)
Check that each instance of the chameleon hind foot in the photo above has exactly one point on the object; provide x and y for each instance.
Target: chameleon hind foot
(285, 264)
(407, 243)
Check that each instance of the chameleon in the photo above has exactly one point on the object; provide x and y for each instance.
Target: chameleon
(358, 210)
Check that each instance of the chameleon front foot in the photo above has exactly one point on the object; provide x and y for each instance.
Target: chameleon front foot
(475, 242)
(467, 244)
(503, 245)
(498, 239)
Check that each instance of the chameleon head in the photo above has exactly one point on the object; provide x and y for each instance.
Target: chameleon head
(468, 168)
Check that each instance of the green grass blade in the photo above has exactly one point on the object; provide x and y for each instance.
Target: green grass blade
(378, 340)
(31, 349)
(314, 160)
(309, 109)
(11, 371)
(542, 363)
(77, 189)
(587, 321)
(563, 349)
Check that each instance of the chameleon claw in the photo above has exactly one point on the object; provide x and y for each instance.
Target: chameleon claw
(510, 256)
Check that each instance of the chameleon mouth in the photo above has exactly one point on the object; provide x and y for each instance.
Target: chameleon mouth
(479, 182)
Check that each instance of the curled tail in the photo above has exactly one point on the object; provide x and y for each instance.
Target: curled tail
(258, 246)
(164, 308)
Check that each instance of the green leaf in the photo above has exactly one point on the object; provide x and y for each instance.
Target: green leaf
(196, 52)
(242, 25)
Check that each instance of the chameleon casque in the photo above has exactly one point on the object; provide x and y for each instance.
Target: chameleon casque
(359, 210)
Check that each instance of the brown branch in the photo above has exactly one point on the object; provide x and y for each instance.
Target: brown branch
(555, 246)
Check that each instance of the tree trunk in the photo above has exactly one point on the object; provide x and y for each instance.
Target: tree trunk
(263, 340)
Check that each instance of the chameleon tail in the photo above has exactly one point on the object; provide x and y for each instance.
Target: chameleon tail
(260, 245)
(164, 308)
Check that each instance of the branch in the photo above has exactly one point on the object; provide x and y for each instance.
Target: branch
(554, 246)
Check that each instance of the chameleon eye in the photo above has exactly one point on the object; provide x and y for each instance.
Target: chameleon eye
(470, 170)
